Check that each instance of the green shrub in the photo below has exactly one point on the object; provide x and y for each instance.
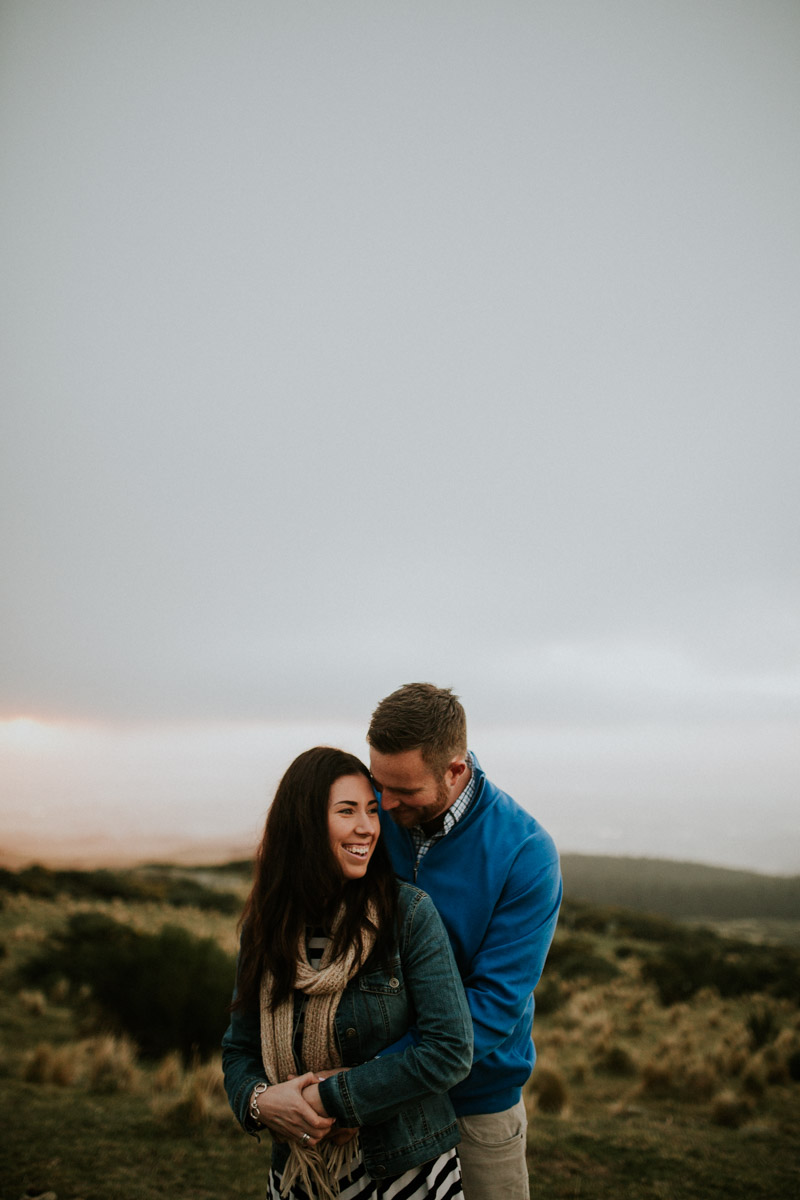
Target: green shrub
(550, 1088)
(164, 886)
(168, 991)
(549, 995)
(646, 927)
(617, 1060)
(575, 958)
(618, 922)
(734, 968)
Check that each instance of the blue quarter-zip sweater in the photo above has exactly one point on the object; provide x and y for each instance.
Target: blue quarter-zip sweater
(496, 880)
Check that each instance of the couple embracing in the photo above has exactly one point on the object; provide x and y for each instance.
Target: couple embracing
(398, 923)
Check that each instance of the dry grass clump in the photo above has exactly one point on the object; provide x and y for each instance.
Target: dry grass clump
(599, 1025)
(579, 1069)
(111, 1064)
(730, 1110)
(733, 1052)
(677, 1013)
(693, 1079)
(700, 1082)
(33, 1002)
(549, 1088)
(705, 996)
(103, 1064)
(579, 1007)
(27, 933)
(553, 1039)
(59, 992)
(634, 1003)
(59, 1065)
(754, 1080)
(168, 1076)
(732, 1060)
(775, 1064)
(209, 1076)
(787, 1049)
(616, 1059)
(715, 1016)
(787, 1042)
(200, 1103)
(658, 1078)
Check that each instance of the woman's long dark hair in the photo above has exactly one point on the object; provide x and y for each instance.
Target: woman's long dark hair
(298, 882)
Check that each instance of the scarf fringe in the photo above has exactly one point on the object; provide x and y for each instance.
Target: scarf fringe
(320, 1168)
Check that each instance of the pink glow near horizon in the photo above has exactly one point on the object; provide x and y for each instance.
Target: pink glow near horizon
(618, 790)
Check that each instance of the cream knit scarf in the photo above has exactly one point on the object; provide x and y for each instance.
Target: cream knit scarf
(316, 1167)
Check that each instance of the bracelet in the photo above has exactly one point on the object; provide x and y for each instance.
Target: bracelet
(254, 1113)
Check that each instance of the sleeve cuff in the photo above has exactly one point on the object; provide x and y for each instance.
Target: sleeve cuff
(334, 1096)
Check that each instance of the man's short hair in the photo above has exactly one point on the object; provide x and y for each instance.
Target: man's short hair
(420, 716)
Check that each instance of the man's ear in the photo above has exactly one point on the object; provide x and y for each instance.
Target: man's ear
(455, 769)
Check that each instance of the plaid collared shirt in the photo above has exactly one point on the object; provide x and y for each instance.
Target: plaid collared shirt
(458, 809)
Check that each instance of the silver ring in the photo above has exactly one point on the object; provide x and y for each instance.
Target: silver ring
(305, 1139)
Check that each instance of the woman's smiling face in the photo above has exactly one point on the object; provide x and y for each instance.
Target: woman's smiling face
(353, 824)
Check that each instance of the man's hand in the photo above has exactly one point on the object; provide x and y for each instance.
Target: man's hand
(287, 1113)
(311, 1090)
(342, 1134)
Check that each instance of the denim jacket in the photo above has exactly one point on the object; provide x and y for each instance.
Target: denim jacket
(399, 1099)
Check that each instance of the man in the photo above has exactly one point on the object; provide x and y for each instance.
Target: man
(493, 873)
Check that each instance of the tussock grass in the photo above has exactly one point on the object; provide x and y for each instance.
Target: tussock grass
(112, 1064)
(59, 993)
(168, 1076)
(102, 1064)
(730, 1109)
(48, 1064)
(548, 1088)
(200, 1102)
(700, 1082)
(753, 1078)
(33, 1002)
(616, 1059)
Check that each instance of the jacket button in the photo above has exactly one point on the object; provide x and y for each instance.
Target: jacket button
(394, 982)
(350, 1032)
(379, 1169)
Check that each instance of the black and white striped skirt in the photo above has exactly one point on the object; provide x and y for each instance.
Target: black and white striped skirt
(436, 1180)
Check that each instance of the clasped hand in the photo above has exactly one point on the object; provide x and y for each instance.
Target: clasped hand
(294, 1108)
(342, 1134)
(287, 1113)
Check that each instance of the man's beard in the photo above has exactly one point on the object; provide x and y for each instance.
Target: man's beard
(409, 816)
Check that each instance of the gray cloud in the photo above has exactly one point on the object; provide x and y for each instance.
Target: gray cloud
(347, 346)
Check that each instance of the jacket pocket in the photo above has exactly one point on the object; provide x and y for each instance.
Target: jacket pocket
(385, 982)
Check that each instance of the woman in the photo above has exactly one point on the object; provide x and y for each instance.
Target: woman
(338, 962)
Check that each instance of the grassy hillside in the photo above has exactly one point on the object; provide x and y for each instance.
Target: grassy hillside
(669, 1057)
(680, 889)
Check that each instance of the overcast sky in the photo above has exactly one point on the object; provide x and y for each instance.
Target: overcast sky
(348, 344)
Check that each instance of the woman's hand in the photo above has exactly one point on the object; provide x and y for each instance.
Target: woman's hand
(286, 1112)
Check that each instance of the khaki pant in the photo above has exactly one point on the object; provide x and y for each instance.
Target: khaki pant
(492, 1153)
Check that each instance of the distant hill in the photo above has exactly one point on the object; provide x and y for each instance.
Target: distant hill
(680, 889)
